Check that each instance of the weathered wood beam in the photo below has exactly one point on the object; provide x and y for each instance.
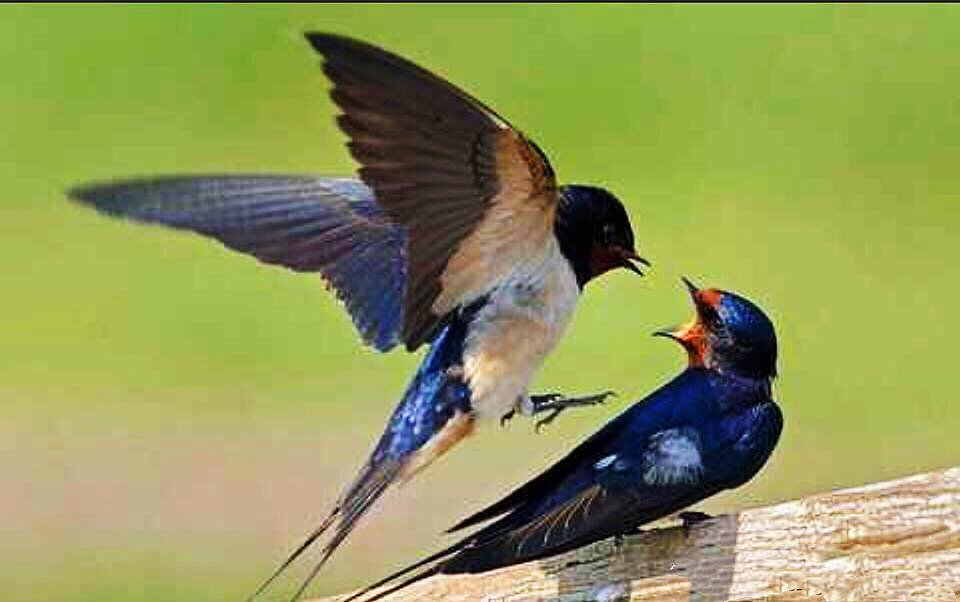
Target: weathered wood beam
(898, 540)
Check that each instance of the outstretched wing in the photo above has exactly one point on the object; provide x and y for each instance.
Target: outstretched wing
(476, 197)
(308, 224)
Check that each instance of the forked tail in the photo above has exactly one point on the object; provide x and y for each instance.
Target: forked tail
(435, 561)
(433, 416)
(369, 485)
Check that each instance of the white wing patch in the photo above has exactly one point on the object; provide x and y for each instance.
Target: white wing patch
(604, 462)
(673, 457)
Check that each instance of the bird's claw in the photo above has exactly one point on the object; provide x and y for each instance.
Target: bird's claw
(618, 543)
(691, 518)
(556, 403)
(545, 421)
(507, 417)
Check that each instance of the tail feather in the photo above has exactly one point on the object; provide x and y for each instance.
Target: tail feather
(314, 535)
(370, 486)
(418, 577)
(438, 557)
(366, 489)
(433, 416)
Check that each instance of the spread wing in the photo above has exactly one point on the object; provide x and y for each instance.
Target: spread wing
(308, 224)
(475, 196)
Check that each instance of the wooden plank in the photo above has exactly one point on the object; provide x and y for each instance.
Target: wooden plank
(898, 540)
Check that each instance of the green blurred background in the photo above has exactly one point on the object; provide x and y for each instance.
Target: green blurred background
(176, 416)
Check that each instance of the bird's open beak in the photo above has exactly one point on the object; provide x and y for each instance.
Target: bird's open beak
(686, 333)
(693, 334)
(674, 332)
(628, 257)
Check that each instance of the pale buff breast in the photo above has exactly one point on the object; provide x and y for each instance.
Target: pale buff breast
(517, 226)
(512, 335)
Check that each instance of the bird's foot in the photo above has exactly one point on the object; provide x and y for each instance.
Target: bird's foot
(507, 417)
(555, 403)
(691, 518)
(618, 543)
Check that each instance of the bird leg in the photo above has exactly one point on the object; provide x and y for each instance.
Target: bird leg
(508, 417)
(555, 403)
(618, 543)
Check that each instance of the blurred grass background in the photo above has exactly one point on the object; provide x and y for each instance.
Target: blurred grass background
(175, 416)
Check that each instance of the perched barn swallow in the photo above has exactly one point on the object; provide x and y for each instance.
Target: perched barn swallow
(710, 428)
(457, 236)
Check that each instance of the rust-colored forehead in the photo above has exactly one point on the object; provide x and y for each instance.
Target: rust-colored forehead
(709, 296)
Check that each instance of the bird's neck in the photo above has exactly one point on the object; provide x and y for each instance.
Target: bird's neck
(575, 245)
(737, 390)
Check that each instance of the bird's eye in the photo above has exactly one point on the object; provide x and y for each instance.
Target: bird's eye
(608, 232)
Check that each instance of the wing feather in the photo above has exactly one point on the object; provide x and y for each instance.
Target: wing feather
(475, 196)
(543, 484)
(305, 223)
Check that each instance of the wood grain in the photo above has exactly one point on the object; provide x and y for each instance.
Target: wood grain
(898, 540)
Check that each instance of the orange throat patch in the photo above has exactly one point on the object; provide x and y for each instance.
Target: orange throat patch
(693, 337)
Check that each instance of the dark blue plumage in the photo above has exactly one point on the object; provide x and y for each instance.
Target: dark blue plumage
(581, 212)
(437, 391)
(710, 428)
(642, 467)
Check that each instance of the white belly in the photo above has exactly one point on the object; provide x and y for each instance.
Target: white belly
(511, 336)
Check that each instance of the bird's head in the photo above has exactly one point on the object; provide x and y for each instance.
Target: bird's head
(729, 334)
(595, 233)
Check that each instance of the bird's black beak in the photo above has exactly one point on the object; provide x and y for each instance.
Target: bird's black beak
(690, 286)
(628, 257)
(674, 332)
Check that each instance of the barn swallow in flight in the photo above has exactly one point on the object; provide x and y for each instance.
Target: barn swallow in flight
(458, 236)
(710, 428)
